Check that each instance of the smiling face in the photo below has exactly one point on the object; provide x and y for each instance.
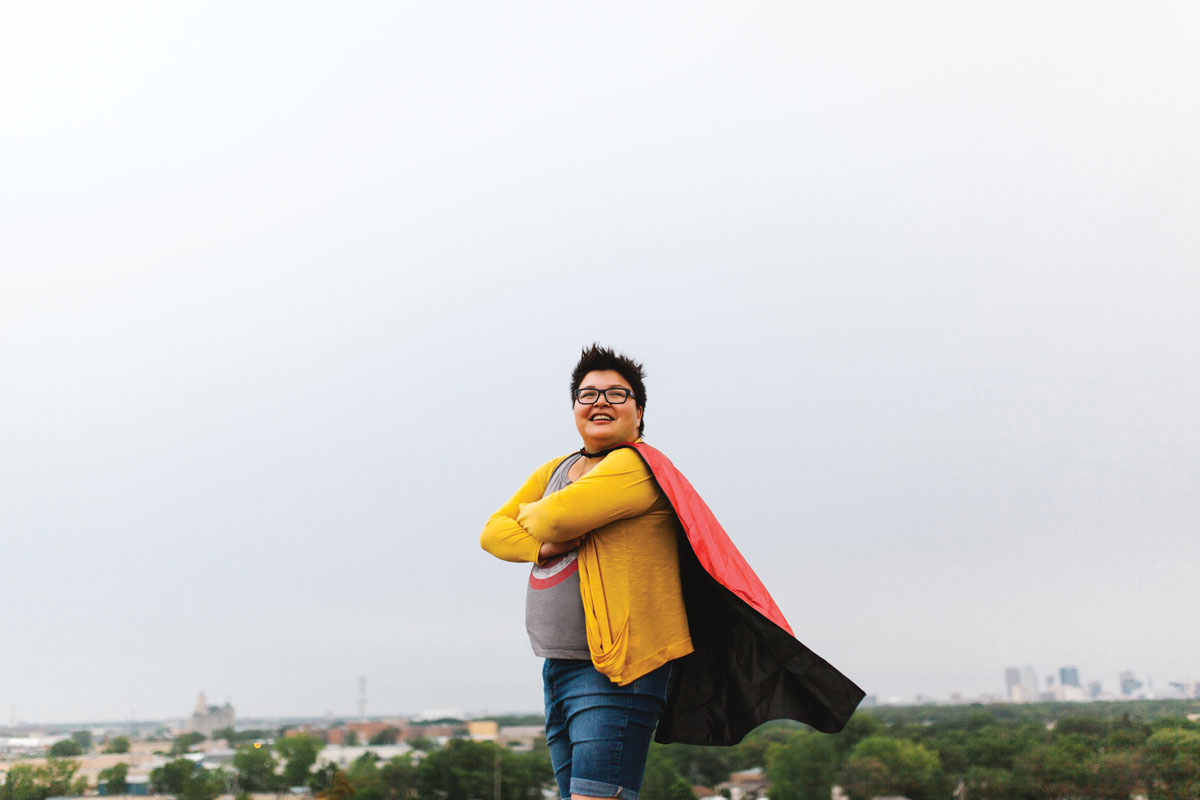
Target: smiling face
(604, 424)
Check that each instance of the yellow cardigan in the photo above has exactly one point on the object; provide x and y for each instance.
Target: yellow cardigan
(628, 566)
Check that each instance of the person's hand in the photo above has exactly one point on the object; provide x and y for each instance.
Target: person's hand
(552, 549)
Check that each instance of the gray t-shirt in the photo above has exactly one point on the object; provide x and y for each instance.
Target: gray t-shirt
(553, 606)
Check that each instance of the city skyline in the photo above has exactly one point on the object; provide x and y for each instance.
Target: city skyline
(1146, 688)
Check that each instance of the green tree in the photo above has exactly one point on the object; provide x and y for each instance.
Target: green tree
(752, 751)
(1059, 768)
(996, 746)
(1119, 775)
(951, 752)
(1180, 723)
(65, 748)
(802, 768)
(386, 736)
(1127, 734)
(204, 784)
(662, 780)
(881, 765)
(170, 777)
(21, 783)
(56, 776)
(83, 739)
(466, 770)
(861, 726)
(365, 778)
(184, 743)
(255, 768)
(113, 778)
(989, 783)
(118, 744)
(462, 770)
(864, 777)
(1093, 730)
(299, 754)
(1173, 761)
(339, 787)
(351, 738)
(227, 733)
(399, 777)
(321, 780)
(424, 744)
(699, 765)
(525, 775)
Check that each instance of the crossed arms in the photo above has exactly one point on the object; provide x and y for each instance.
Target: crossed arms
(619, 487)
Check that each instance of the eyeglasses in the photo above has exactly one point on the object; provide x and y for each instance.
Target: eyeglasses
(614, 396)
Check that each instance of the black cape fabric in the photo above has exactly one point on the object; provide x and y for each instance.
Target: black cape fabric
(746, 668)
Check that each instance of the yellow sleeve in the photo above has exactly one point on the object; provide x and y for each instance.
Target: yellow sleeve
(503, 536)
(619, 487)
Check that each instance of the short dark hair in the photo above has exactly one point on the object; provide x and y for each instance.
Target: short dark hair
(602, 358)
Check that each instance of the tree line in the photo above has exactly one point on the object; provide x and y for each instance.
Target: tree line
(979, 753)
(463, 770)
(992, 758)
(1035, 752)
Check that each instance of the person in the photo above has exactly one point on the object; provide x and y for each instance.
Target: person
(644, 611)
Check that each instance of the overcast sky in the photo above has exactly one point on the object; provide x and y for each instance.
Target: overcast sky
(291, 294)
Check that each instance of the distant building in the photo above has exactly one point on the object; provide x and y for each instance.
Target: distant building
(1012, 684)
(134, 785)
(366, 731)
(345, 756)
(1021, 684)
(217, 757)
(521, 738)
(361, 733)
(1068, 676)
(206, 719)
(1129, 684)
(1187, 690)
(749, 783)
(483, 730)
(23, 745)
(442, 732)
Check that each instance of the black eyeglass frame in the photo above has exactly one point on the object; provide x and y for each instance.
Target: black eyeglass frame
(621, 389)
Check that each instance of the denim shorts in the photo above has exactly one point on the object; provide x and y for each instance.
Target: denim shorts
(599, 733)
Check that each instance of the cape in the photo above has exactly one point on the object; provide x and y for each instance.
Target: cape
(748, 667)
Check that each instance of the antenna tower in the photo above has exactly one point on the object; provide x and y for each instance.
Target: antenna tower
(362, 698)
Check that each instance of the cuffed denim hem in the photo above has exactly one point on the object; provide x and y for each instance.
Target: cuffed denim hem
(598, 789)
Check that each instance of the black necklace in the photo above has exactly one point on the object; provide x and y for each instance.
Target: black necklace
(601, 454)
